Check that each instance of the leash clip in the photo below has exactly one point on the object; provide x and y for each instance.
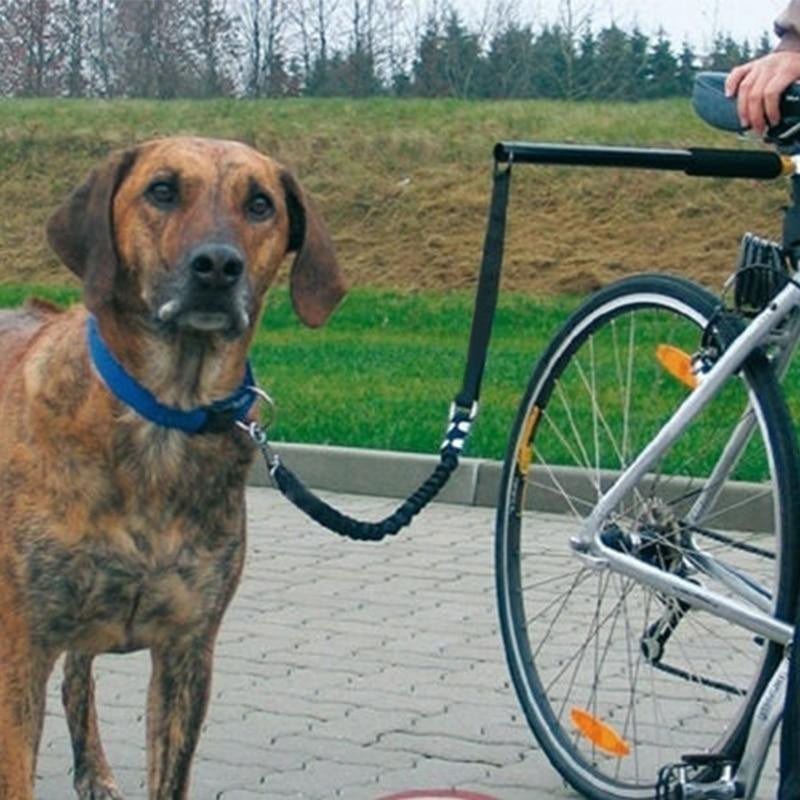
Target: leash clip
(259, 437)
(258, 431)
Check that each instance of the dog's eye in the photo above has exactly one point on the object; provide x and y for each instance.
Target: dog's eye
(163, 194)
(259, 207)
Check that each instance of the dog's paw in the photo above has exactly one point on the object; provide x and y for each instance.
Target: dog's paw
(98, 789)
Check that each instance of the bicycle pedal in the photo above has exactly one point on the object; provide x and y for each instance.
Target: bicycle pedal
(701, 776)
(761, 272)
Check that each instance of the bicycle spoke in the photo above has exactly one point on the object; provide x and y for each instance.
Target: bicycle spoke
(617, 678)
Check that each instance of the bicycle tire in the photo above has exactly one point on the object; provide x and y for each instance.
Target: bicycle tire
(543, 624)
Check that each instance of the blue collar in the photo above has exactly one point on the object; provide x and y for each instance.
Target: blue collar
(212, 418)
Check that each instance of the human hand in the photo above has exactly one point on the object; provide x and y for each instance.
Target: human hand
(758, 86)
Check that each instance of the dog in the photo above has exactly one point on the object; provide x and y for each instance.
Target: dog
(118, 530)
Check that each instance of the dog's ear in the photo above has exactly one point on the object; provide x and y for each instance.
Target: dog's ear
(81, 230)
(316, 281)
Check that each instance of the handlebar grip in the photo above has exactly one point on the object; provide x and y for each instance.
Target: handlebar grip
(698, 161)
(736, 163)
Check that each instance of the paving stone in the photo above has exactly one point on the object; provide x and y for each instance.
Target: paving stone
(341, 670)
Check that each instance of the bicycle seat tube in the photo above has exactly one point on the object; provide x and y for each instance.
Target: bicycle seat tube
(791, 224)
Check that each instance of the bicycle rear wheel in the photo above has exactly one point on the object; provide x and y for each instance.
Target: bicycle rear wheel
(616, 679)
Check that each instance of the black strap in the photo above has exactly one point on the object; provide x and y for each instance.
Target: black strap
(462, 413)
(488, 288)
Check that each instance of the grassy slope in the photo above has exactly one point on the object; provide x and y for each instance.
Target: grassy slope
(404, 185)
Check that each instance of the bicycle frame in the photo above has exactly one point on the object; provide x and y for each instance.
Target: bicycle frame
(588, 544)
(757, 615)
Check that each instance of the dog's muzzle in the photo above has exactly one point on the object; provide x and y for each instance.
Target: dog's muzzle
(211, 293)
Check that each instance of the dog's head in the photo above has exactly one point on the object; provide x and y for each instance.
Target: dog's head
(191, 232)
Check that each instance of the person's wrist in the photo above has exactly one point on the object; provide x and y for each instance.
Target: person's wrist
(789, 42)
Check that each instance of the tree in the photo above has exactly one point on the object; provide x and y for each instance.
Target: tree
(75, 25)
(636, 75)
(359, 75)
(686, 69)
(764, 46)
(552, 65)
(156, 59)
(509, 62)
(211, 44)
(461, 56)
(615, 64)
(429, 71)
(103, 48)
(34, 49)
(726, 54)
(662, 69)
(262, 25)
(586, 65)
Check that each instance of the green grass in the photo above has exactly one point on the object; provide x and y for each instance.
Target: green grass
(384, 370)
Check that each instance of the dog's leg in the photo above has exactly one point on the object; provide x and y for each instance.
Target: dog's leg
(93, 777)
(23, 684)
(176, 706)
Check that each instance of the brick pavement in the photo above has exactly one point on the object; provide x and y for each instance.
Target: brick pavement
(342, 670)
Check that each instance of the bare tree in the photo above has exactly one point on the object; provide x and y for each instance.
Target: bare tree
(212, 46)
(33, 51)
(263, 25)
(313, 20)
(156, 52)
(102, 47)
(75, 23)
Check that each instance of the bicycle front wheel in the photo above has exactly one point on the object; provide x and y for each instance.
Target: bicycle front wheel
(618, 680)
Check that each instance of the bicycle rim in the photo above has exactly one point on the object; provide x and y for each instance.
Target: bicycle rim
(608, 701)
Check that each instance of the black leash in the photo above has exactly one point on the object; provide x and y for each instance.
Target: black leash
(462, 412)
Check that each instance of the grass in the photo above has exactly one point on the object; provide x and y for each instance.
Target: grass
(404, 184)
(383, 372)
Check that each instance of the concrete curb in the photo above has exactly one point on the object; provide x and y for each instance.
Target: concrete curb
(476, 482)
(385, 473)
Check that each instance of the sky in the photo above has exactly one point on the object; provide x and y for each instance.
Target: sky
(695, 20)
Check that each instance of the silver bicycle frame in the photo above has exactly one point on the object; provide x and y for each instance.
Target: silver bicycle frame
(588, 542)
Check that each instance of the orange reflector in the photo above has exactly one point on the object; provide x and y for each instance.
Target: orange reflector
(599, 734)
(525, 453)
(677, 363)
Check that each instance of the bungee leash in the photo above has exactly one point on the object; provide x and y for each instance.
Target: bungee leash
(463, 410)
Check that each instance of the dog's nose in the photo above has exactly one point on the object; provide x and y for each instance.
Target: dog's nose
(216, 266)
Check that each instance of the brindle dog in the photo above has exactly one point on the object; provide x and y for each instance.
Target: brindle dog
(117, 534)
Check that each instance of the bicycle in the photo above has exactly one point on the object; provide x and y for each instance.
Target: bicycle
(648, 648)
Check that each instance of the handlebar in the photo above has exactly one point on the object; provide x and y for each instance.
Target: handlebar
(698, 161)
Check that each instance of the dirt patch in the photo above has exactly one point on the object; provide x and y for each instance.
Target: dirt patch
(419, 224)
